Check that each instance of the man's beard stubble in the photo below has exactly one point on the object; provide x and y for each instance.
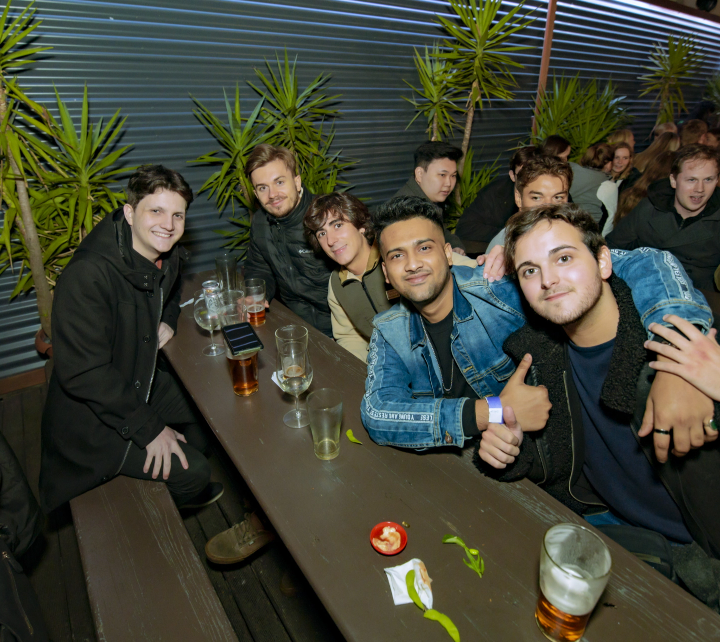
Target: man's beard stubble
(432, 294)
(585, 307)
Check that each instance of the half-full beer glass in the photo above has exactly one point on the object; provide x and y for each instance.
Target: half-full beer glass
(243, 366)
(255, 299)
(574, 570)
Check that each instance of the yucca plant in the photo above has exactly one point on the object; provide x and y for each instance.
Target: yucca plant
(712, 91)
(670, 71)
(293, 117)
(469, 184)
(436, 95)
(237, 138)
(16, 197)
(286, 116)
(584, 114)
(478, 52)
(73, 178)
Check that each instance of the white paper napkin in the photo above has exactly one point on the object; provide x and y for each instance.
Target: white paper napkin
(396, 576)
(274, 378)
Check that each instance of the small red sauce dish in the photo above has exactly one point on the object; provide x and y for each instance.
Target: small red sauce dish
(377, 531)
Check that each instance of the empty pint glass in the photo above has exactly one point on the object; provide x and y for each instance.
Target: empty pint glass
(325, 408)
(574, 570)
(255, 301)
(226, 270)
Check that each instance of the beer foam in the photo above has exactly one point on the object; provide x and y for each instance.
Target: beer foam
(569, 589)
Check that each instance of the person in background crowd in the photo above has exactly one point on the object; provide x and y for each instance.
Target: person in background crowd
(556, 146)
(109, 410)
(495, 203)
(434, 179)
(693, 132)
(658, 169)
(663, 128)
(622, 172)
(588, 344)
(713, 138)
(666, 142)
(681, 215)
(622, 136)
(543, 180)
(278, 251)
(593, 171)
(339, 224)
(435, 358)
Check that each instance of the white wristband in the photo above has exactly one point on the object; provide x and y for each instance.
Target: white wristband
(495, 416)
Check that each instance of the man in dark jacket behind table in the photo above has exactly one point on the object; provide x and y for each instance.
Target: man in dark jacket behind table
(108, 408)
(588, 347)
(680, 214)
(279, 253)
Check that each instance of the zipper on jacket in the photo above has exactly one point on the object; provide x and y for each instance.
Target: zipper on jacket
(6, 557)
(367, 294)
(543, 461)
(572, 441)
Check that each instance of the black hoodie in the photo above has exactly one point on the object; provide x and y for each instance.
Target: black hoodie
(107, 306)
(655, 223)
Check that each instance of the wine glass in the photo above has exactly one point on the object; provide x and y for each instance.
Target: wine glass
(294, 372)
(206, 316)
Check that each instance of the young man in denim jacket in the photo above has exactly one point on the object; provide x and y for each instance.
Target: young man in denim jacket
(436, 367)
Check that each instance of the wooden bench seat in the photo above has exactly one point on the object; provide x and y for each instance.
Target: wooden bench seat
(145, 579)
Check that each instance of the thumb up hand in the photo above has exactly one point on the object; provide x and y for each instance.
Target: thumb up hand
(531, 404)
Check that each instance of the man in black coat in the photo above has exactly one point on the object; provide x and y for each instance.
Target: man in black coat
(495, 203)
(588, 347)
(279, 253)
(108, 408)
(680, 214)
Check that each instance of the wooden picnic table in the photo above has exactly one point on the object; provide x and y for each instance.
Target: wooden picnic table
(324, 510)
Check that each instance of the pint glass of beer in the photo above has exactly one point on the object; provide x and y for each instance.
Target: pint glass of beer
(244, 374)
(574, 570)
(255, 300)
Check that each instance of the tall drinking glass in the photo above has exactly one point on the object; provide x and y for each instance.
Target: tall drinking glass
(207, 317)
(574, 570)
(325, 409)
(231, 307)
(294, 372)
(226, 269)
(255, 299)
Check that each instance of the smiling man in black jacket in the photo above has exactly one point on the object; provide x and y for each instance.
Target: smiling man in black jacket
(680, 214)
(279, 253)
(587, 344)
(108, 409)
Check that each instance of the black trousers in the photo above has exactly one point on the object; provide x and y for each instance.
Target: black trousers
(168, 400)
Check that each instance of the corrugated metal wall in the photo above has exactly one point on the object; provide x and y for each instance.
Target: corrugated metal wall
(147, 57)
(613, 40)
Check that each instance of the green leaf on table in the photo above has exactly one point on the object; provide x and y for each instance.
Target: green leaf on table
(410, 583)
(445, 621)
(351, 437)
(451, 539)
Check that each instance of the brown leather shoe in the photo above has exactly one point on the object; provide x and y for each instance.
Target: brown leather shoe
(238, 542)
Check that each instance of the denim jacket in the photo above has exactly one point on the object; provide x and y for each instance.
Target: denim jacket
(403, 403)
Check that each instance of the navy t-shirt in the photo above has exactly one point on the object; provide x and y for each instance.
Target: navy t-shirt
(615, 464)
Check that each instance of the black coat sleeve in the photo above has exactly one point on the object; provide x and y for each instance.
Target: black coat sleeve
(625, 234)
(83, 323)
(172, 307)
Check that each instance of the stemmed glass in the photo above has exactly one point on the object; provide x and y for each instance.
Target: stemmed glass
(206, 316)
(294, 372)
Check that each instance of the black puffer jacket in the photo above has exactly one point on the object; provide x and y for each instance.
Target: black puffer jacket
(554, 457)
(280, 255)
(655, 223)
(108, 304)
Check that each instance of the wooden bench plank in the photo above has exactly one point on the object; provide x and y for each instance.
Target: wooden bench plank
(145, 579)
